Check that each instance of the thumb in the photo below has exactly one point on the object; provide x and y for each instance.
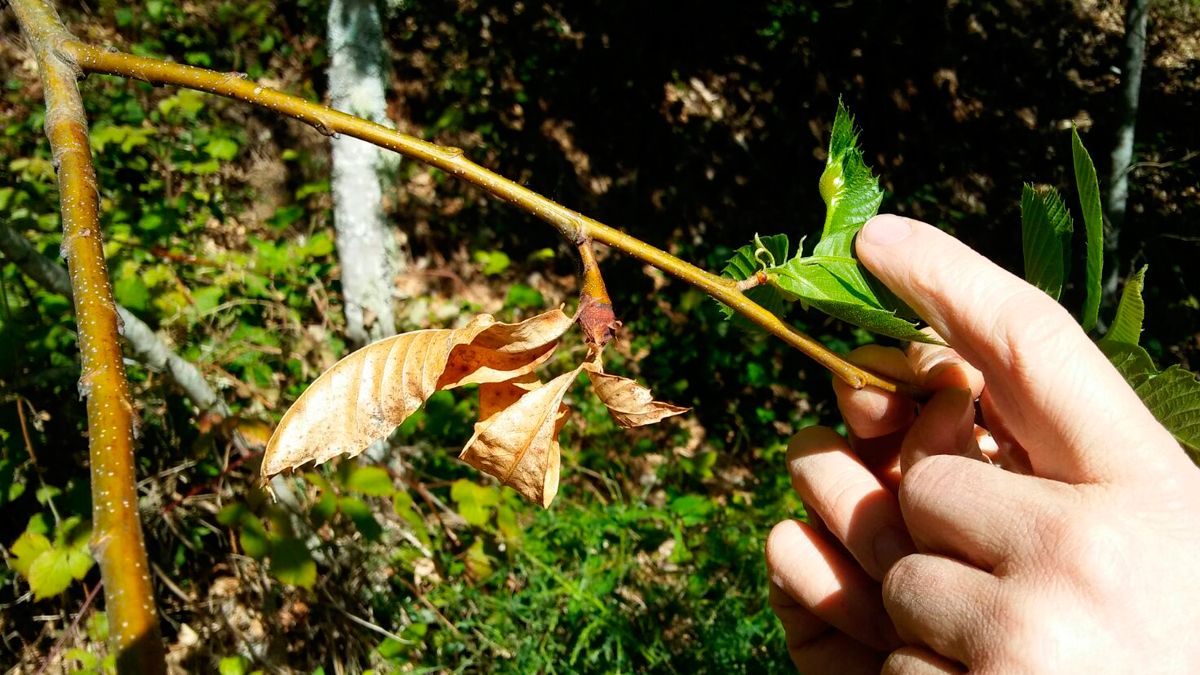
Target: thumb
(1039, 366)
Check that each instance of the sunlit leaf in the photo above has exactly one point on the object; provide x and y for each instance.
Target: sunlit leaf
(1131, 361)
(54, 570)
(1126, 327)
(835, 286)
(629, 403)
(370, 480)
(363, 397)
(762, 253)
(1045, 237)
(25, 550)
(475, 502)
(519, 444)
(1093, 221)
(1174, 397)
(851, 192)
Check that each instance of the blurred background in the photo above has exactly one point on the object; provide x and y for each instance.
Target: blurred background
(693, 125)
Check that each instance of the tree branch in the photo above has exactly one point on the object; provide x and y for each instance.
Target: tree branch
(117, 534)
(147, 347)
(572, 225)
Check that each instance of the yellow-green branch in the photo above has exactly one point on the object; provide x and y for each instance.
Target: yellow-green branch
(572, 225)
(117, 535)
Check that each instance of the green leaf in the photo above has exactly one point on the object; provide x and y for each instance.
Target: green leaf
(851, 192)
(253, 538)
(1127, 324)
(26, 549)
(1093, 221)
(370, 480)
(475, 502)
(207, 298)
(1174, 397)
(836, 286)
(763, 253)
(52, 572)
(132, 293)
(292, 563)
(692, 509)
(360, 514)
(522, 296)
(1045, 237)
(493, 262)
(221, 148)
(1131, 361)
(232, 665)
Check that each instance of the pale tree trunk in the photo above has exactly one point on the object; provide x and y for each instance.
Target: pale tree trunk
(366, 248)
(1134, 52)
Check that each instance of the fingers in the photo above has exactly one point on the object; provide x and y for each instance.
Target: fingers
(814, 646)
(974, 511)
(1034, 357)
(849, 499)
(917, 661)
(870, 412)
(810, 570)
(946, 427)
(941, 603)
(940, 367)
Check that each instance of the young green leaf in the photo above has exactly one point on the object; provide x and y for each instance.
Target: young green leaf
(1045, 236)
(835, 286)
(1127, 324)
(292, 563)
(1093, 221)
(370, 480)
(850, 191)
(1133, 362)
(763, 253)
(1174, 397)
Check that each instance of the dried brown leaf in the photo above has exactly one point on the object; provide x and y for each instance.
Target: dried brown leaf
(518, 442)
(363, 397)
(629, 403)
(505, 349)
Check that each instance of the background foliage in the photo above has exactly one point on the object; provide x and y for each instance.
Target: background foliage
(693, 126)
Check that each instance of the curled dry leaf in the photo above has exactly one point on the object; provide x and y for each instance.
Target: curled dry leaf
(629, 403)
(366, 395)
(516, 439)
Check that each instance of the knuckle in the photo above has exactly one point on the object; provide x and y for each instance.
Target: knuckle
(905, 577)
(1093, 554)
(929, 477)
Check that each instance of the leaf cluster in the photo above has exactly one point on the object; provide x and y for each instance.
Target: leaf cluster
(830, 279)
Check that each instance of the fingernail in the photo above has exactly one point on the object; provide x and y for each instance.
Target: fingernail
(890, 545)
(886, 230)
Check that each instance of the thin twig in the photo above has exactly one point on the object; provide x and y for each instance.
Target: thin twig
(62, 639)
(573, 226)
(431, 607)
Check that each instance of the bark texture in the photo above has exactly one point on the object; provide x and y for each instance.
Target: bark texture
(365, 246)
(1134, 53)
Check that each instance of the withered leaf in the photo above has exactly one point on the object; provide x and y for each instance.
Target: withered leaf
(363, 397)
(629, 403)
(518, 442)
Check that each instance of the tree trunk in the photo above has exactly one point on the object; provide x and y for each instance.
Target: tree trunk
(366, 248)
(1122, 155)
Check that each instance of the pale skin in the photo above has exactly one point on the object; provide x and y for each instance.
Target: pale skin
(1063, 539)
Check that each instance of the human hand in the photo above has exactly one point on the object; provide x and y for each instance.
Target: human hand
(922, 559)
